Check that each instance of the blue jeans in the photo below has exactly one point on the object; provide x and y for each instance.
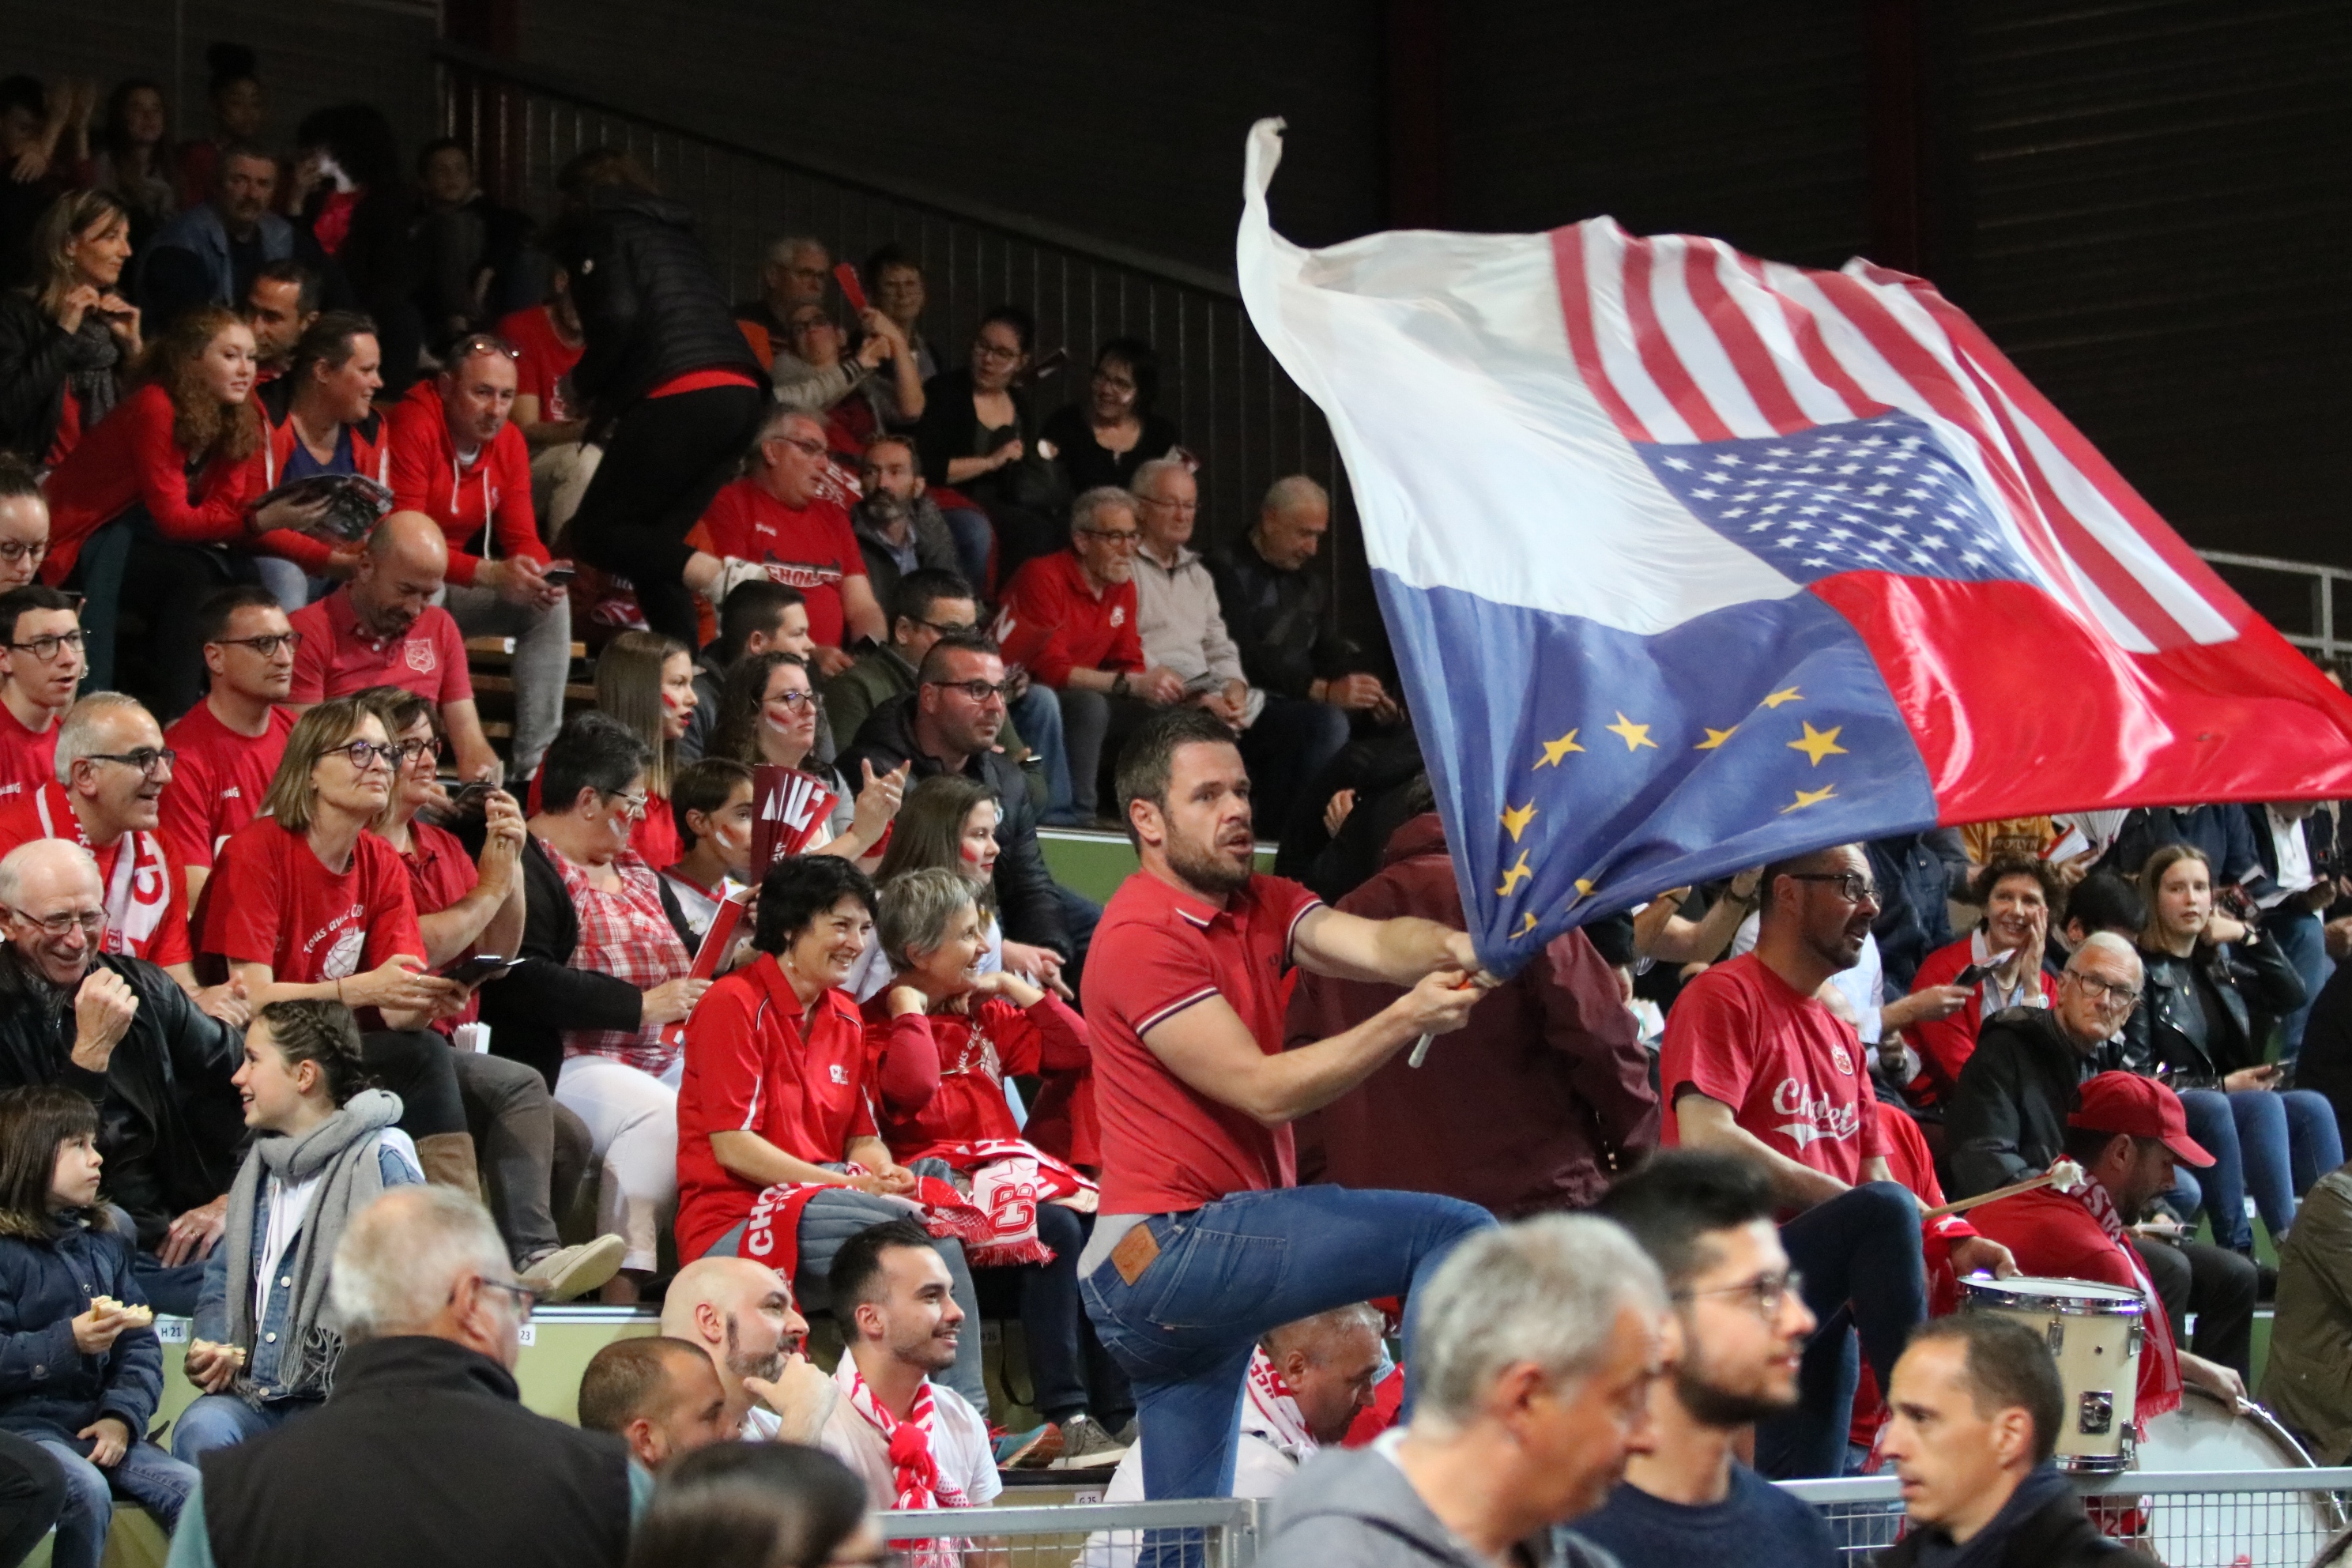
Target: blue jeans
(1864, 1279)
(1232, 1269)
(223, 1421)
(2272, 1144)
(975, 541)
(2301, 937)
(1068, 1370)
(1038, 717)
(146, 1475)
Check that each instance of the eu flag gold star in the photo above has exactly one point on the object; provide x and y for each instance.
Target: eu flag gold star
(1516, 817)
(1636, 736)
(1806, 797)
(1818, 743)
(1714, 738)
(1789, 694)
(1515, 875)
(1555, 750)
(1527, 924)
(1583, 887)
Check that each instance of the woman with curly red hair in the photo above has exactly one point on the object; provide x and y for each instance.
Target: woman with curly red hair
(151, 507)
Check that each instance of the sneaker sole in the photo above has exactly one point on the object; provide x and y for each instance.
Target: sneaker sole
(1101, 1458)
(594, 1263)
(1039, 1453)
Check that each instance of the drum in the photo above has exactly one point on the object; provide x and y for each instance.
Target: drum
(2094, 1334)
(2268, 1530)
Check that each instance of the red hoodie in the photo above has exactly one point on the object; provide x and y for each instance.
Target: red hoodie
(371, 455)
(495, 487)
(131, 458)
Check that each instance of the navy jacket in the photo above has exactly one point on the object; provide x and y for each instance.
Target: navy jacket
(47, 1387)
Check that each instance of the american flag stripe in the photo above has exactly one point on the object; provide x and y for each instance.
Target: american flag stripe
(1685, 340)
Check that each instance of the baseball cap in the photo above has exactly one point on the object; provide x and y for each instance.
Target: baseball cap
(2127, 1103)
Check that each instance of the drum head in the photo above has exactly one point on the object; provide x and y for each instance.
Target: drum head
(2271, 1529)
(2052, 1295)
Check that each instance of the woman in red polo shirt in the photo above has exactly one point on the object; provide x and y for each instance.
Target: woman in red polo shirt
(768, 714)
(970, 1032)
(304, 901)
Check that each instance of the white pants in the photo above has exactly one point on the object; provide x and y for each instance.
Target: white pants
(632, 1119)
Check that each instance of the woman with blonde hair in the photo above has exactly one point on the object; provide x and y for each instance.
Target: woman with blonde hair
(646, 680)
(67, 340)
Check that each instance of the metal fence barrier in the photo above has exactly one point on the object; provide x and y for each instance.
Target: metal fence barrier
(1201, 1532)
(2299, 598)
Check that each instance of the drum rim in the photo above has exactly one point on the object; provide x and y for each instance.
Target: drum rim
(1999, 1292)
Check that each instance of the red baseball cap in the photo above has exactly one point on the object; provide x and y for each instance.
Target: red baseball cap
(2127, 1103)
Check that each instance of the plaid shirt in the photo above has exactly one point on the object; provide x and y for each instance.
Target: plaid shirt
(624, 933)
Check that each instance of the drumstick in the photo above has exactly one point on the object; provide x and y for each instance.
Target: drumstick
(2065, 1175)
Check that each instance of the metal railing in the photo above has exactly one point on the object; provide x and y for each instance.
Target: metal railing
(1203, 1532)
(2299, 598)
(1231, 403)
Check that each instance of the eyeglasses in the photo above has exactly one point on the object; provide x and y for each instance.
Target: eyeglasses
(1119, 538)
(1852, 886)
(12, 551)
(2114, 992)
(978, 691)
(1765, 1293)
(1180, 507)
(1120, 382)
(526, 1297)
(364, 754)
(417, 751)
(45, 648)
(983, 349)
(91, 922)
(948, 629)
(474, 343)
(267, 647)
(633, 807)
(796, 701)
(805, 444)
(148, 760)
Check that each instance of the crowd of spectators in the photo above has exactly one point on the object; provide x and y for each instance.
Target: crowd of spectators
(288, 930)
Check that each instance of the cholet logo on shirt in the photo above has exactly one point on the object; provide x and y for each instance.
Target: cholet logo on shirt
(1119, 615)
(838, 1073)
(419, 652)
(1823, 1116)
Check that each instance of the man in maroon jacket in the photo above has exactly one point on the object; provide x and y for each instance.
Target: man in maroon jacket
(1538, 1104)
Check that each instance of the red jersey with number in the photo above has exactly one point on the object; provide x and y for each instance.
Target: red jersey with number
(271, 901)
(1791, 1070)
(28, 759)
(218, 782)
(752, 1068)
(145, 895)
(1167, 1147)
(810, 547)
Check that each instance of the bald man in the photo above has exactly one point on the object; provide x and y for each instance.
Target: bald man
(659, 1395)
(741, 1314)
(384, 627)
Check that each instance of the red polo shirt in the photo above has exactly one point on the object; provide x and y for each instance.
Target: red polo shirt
(218, 782)
(28, 759)
(546, 361)
(749, 1068)
(810, 547)
(1053, 622)
(1166, 1147)
(1790, 1069)
(492, 492)
(340, 656)
(440, 873)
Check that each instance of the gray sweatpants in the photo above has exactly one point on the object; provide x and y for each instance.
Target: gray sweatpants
(542, 660)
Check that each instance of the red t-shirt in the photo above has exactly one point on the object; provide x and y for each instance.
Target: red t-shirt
(546, 361)
(146, 900)
(439, 874)
(750, 1069)
(1166, 1147)
(27, 760)
(1790, 1069)
(271, 901)
(977, 1051)
(1053, 622)
(492, 492)
(812, 548)
(218, 782)
(338, 656)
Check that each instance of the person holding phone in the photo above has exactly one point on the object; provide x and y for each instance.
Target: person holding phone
(1998, 966)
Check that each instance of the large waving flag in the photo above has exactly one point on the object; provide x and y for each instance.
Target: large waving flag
(1693, 561)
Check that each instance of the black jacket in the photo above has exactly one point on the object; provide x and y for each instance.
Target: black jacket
(2055, 1535)
(36, 357)
(2007, 1119)
(1281, 621)
(1026, 896)
(422, 1456)
(169, 1122)
(2192, 1022)
(1916, 874)
(650, 304)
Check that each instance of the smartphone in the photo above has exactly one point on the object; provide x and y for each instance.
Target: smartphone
(558, 571)
(1970, 975)
(471, 972)
(470, 797)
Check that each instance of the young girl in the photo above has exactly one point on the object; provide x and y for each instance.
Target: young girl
(768, 715)
(80, 1368)
(266, 1343)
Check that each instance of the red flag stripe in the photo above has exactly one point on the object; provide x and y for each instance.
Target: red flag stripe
(1816, 351)
(1658, 356)
(1576, 307)
(1749, 358)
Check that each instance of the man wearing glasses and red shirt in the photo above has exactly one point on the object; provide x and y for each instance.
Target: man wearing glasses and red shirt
(228, 745)
(41, 666)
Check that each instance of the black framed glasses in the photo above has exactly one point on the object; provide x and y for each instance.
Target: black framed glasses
(1766, 1293)
(148, 760)
(2114, 992)
(796, 701)
(1852, 886)
(45, 648)
(15, 551)
(526, 1297)
(978, 691)
(949, 629)
(417, 751)
(266, 645)
(362, 755)
(1125, 538)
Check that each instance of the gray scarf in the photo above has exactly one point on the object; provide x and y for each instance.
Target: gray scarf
(341, 1153)
(93, 373)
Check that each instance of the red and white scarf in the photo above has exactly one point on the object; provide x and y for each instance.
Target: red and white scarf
(915, 1469)
(772, 1231)
(1009, 1179)
(139, 891)
(2158, 1328)
(1272, 1410)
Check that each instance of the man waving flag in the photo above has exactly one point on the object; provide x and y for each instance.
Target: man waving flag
(1694, 561)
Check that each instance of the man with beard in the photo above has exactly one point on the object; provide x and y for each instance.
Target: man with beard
(1195, 1095)
(1706, 1221)
(659, 1395)
(741, 1314)
(1755, 1064)
(2125, 1132)
(899, 528)
(383, 628)
(913, 1443)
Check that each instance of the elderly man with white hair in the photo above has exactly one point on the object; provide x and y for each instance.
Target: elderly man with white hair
(423, 1454)
(119, 1030)
(2007, 1121)
(1538, 1346)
